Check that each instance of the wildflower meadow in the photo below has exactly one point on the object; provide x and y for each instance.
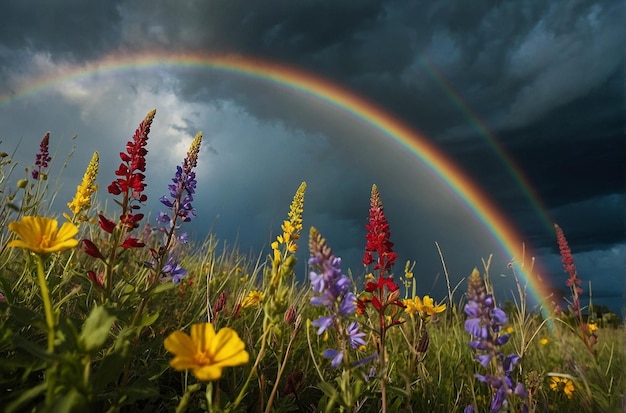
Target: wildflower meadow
(106, 309)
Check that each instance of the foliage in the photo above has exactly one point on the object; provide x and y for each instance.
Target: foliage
(95, 310)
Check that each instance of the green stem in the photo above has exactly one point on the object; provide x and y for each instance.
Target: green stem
(50, 323)
(47, 303)
(253, 371)
(281, 369)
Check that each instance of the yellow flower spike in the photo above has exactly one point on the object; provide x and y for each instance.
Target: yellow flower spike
(82, 200)
(40, 235)
(206, 352)
(296, 208)
(253, 299)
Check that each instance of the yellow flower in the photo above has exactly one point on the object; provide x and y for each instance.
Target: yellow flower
(430, 308)
(412, 305)
(84, 191)
(408, 269)
(424, 307)
(296, 208)
(253, 299)
(543, 341)
(40, 235)
(205, 352)
(563, 384)
(592, 327)
(510, 329)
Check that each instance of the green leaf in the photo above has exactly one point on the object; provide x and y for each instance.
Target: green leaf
(96, 329)
(164, 287)
(148, 319)
(25, 396)
(73, 401)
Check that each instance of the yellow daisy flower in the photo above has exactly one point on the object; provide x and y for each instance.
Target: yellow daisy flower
(42, 236)
(563, 384)
(543, 341)
(205, 352)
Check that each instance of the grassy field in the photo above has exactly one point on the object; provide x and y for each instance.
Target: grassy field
(106, 312)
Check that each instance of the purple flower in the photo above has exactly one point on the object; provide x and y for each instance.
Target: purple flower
(335, 355)
(347, 305)
(484, 323)
(323, 323)
(183, 186)
(355, 335)
(172, 270)
(43, 157)
(331, 287)
(184, 238)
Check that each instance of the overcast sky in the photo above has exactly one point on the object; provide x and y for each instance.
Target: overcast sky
(534, 86)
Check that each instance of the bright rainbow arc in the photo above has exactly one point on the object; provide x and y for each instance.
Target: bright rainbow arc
(333, 95)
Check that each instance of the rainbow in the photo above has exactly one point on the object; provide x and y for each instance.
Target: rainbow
(481, 127)
(352, 105)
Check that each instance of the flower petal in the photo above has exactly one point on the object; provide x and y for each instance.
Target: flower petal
(180, 344)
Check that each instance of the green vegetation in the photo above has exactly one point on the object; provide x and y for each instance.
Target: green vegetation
(104, 312)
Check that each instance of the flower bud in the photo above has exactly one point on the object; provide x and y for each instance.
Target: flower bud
(290, 315)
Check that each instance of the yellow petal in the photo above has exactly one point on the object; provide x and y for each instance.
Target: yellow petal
(207, 373)
(203, 335)
(67, 232)
(183, 363)
(180, 344)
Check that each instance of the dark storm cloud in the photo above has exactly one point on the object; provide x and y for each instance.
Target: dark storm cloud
(69, 28)
(546, 78)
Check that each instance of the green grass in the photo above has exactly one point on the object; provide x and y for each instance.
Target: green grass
(108, 344)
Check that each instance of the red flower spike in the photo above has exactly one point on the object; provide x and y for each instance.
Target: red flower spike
(131, 171)
(378, 235)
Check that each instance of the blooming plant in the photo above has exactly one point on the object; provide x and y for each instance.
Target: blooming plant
(331, 290)
(42, 159)
(130, 185)
(206, 352)
(81, 203)
(484, 323)
(382, 293)
(587, 334)
(563, 385)
(114, 326)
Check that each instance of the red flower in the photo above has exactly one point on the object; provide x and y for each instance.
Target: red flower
(106, 224)
(378, 235)
(92, 250)
(96, 279)
(383, 282)
(133, 162)
(131, 242)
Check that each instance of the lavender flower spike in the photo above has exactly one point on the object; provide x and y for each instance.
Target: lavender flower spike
(183, 187)
(484, 323)
(332, 286)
